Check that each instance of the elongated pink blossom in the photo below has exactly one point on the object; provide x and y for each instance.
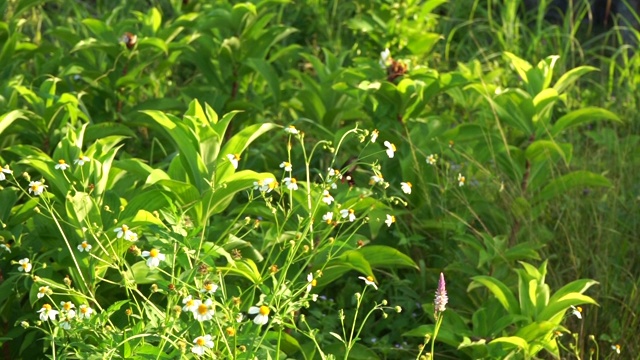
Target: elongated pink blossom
(441, 296)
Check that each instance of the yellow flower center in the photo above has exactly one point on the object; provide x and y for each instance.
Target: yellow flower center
(84, 244)
(230, 331)
(264, 310)
(46, 307)
(190, 303)
(351, 211)
(208, 287)
(200, 341)
(35, 187)
(84, 309)
(293, 180)
(67, 306)
(42, 290)
(314, 282)
(409, 184)
(125, 228)
(202, 309)
(61, 162)
(25, 265)
(154, 253)
(393, 219)
(393, 147)
(370, 278)
(579, 308)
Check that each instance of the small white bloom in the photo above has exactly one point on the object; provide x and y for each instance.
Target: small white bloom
(25, 265)
(376, 179)
(384, 57)
(335, 172)
(291, 130)
(67, 308)
(461, 180)
(42, 291)
(265, 185)
(5, 170)
(154, 258)
(348, 213)
(390, 220)
(616, 348)
(286, 166)
(369, 281)
(326, 197)
(85, 311)
(62, 165)
(290, 183)
(263, 314)
(312, 282)
(374, 135)
(202, 343)
(191, 304)
(47, 313)
(576, 311)
(36, 187)
(209, 288)
(124, 232)
(432, 159)
(406, 187)
(234, 158)
(328, 217)
(5, 247)
(391, 149)
(205, 311)
(84, 246)
(81, 160)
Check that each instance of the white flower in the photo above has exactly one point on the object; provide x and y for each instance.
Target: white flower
(25, 265)
(267, 185)
(335, 172)
(432, 159)
(124, 232)
(202, 343)
(376, 179)
(42, 291)
(263, 314)
(576, 311)
(369, 281)
(348, 213)
(5, 247)
(81, 160)
(328, 217)
(205, 311)
(234, 158)
(85, 311)
(290, 183)
(390, 220)
(374, 135)
(36, 187)
(384, 56)
(62, 165)
(326, 197)
(84, 246)
(154, 257)
(406, 187)
(391, 149)
(67, 308)
(47, 313)
(191, 304)
(461, 180)
(66, 325)
(291, 130)
(312, 282)
(616, 348)
(209, 288)
(286, 166)
(4, 171)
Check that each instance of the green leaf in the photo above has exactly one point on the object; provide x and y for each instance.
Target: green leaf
(420, 42)
(141, 274)
(499, 290)
(581, 116)
(512, 340)
(571, 76)
(347, 261)
(543, 149)
(153, 42)
(560, 305)
(385, 256)
(578, 286)
(236, 145)
(245, 268)
(574, 180)
(7, 119)
(267, 71)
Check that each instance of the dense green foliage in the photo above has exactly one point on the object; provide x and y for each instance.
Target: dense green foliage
(278, 179)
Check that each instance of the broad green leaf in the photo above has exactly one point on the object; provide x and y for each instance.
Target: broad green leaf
(269, 74)
(499, 290)
(143, 217)
(347, 261)
(512, 340)
(578, 286)
(571, 76)
(216, 200)
(286, 343)
(149, 200)
(386, 256)
(543, 149)
(153, 42)
(236, 145)
(420, 42)
(245, 268)
(562, 304)
(574, 180)
(141, 274)
(521, 66)
(7, 119)
(581, 116)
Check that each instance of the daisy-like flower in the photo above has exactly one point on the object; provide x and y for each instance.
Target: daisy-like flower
(390, 220)
(5, 247)
(81, 160)
(202, 343)
(369, 281)
(406, 187)
(124, 232)
(25, 265)
(312, 282)
(85, 311)
(376, 179)
(290, 183)
(154, 257)
(204, 311)
(67, 308)
(328, 217)
(441, 298)
(191, 304)
(36, 187)
(384, 57)
(286, 166)
(335, 173)
(47, 313)
(209, 287)
(5, 170)
(265, 185)
(234, 158)
(43, 290)
(432, 159)
(263, 314)
(327, 198)
(391, 149)
(62, 165)
(291, 130)
(374, 135)
(348, 213)
(616, 348)
(576, 311)
(84, 246)
(461, 180)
